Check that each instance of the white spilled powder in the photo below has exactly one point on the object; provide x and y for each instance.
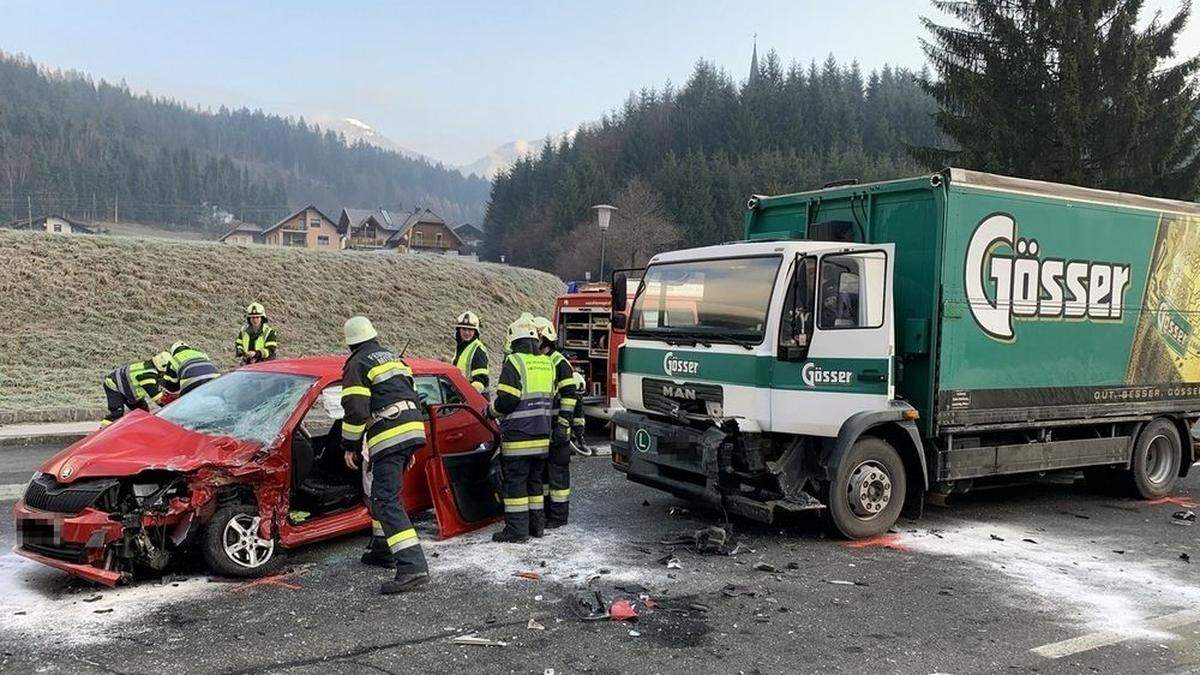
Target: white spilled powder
(571, 555)
(1081, 579)
(37, 605)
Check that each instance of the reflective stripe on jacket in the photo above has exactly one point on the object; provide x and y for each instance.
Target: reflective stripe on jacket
(564, 388)
(472, 360)
(380, 401)
(188, 368)
(139, 381)
(264, 345)
(525, 428)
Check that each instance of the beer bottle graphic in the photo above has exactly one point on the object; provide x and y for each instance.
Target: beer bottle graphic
(1165, 346)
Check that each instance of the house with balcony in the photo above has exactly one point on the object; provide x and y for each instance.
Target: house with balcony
(472, 238)
(243, 234)
(306, 228)
(367, 229)
(426, 232)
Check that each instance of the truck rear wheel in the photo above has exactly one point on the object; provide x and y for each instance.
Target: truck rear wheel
(1157, 455)
(867, 494)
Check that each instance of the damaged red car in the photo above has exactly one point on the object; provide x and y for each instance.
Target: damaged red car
(242, 470)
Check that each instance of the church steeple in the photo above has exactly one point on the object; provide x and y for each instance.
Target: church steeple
(754, 61)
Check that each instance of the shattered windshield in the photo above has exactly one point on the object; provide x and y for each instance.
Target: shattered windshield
(250, 406)
(718, 300)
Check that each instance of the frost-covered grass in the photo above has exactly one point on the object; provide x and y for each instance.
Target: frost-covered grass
(73, 308)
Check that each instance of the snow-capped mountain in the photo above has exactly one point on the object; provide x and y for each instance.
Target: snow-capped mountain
(504, 156)
(357, 130)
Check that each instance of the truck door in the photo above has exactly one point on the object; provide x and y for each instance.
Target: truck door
(836, 340)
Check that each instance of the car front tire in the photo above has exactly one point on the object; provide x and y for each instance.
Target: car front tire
(233, 548)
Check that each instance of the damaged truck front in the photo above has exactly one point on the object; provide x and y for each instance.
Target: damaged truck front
(133, 496)
(868, 343)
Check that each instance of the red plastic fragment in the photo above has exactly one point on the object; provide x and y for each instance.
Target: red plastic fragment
(622, 610)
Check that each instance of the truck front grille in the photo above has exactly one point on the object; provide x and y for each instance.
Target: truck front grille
(662, 396)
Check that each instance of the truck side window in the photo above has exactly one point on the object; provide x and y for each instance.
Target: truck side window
(795, 326)
(852, 290)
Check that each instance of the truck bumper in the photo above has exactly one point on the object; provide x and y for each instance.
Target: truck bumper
(683, 461)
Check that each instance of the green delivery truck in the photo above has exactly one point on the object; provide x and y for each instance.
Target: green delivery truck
(867, 344)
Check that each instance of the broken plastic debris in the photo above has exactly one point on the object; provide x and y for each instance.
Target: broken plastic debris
(528, 575)
(534, 625)
(674, 564)
(589, 606)
(842, 582)
(476, 640)
(1183, 517)
(93, 598)
(622, 610)
(764, 567)
(1185, 557)
(634, 633)
(699, 606)
(996, 538)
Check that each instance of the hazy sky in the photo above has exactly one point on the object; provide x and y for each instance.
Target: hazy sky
(449, 79)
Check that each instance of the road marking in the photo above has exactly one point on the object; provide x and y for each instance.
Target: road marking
(12, 492)
(1083, 643)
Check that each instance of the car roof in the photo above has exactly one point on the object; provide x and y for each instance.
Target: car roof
(331, 366)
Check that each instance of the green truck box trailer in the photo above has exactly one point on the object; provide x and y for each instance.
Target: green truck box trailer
(867, 343)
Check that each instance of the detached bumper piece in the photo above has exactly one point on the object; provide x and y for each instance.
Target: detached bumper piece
(699, 464)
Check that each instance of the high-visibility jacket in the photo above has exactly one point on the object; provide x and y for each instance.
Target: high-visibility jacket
(564, 388)
(188, 369)
(578, 421)
(525, 404)
(472, 359)
(380, 401)
(264, 344)
(138, 381)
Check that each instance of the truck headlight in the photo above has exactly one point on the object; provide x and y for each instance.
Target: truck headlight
(620, 434)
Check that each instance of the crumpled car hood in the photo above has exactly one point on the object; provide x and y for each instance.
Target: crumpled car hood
(140, 441)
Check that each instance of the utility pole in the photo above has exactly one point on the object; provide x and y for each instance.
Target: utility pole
(93, 214)
(116, 208)
(29, 209)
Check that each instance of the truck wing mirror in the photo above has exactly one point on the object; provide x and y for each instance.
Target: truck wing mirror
(618, 322)
(620, 281)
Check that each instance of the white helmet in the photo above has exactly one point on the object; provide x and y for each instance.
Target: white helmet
(467, 320)
(358, 329)
(522, 328)
(545, 329)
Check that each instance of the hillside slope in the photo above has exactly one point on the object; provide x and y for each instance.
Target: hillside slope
(76, 307)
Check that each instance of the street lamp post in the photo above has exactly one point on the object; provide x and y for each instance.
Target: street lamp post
(603, 215)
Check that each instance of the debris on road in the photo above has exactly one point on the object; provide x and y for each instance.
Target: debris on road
(534, 576)
(733, 591)
(94, 598)
(843, 582)
(1029, 541)
(622, 610)
(764, 567)
(634, 633)
(479, 641)
(699, 607)
(534, 625)
(713, 540)
(996, 538)
(1185, 557)
(1183, 517)
(589, 606)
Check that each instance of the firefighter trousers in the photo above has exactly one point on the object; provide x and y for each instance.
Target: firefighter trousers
(557, 490)
(117, 403)
(396, 535)
(524, 512)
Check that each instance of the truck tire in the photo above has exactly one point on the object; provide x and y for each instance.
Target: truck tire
(867, 493)
(232, 547)
(1157, 454)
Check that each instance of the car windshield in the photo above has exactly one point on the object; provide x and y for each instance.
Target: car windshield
(718, 300)
(247, 405)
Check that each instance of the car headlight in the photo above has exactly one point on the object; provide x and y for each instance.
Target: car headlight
(620, 434)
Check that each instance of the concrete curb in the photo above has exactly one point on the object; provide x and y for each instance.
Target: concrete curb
(7, 442)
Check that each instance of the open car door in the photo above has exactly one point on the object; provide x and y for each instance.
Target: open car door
(464, 498)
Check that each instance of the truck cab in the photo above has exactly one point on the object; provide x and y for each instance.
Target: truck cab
(777, 345)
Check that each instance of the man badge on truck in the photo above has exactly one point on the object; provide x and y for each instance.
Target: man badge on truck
(1027, 286)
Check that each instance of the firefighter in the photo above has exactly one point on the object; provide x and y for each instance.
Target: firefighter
(134, 386)
(470, 356)
(524, 405)
(557, 485)
(380, 402)
(578, 422)
(257, 341)
(187, 369)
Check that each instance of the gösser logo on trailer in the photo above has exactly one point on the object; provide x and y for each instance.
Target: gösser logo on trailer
(1030, 287)
(674, 366)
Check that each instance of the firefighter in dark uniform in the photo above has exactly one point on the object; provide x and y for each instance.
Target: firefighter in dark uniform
(524, 405)
(187, 369)
(470, 356)
(557, 485)
(578, 421)
(257, 341)
(134, 386)
(380, 402)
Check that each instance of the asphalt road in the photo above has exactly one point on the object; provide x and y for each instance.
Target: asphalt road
(1043, 576)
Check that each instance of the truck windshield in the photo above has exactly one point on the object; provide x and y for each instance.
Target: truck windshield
(723, 300)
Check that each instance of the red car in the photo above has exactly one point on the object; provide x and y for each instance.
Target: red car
(243, 467)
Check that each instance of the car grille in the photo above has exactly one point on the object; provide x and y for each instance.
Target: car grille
(38, 536)
(46, 494)
(662, 396)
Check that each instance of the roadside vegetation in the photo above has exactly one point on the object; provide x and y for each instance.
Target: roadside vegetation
(75, 307)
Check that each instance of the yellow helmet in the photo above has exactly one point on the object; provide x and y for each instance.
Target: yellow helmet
(255, 309)
(520, 329)
(358, 329)
(467, 319)
(545, 329)
(161, 360)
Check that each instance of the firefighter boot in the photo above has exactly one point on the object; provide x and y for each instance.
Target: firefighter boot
(537, 524)
(404, 583)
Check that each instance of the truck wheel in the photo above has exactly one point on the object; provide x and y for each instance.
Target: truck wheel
(1157, 455)
(867, 494)
(232, 546)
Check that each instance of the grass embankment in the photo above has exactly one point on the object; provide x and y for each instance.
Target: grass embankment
(73, 308)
